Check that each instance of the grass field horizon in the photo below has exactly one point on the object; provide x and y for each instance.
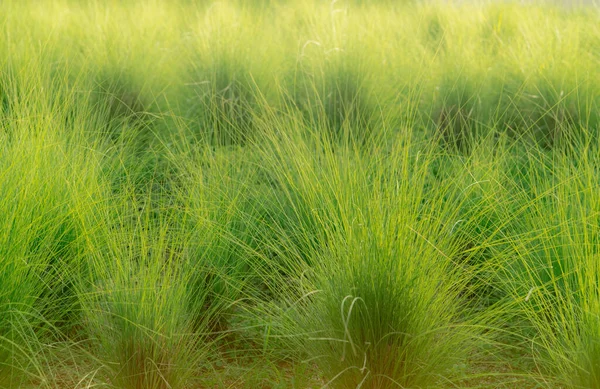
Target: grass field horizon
(299, 194)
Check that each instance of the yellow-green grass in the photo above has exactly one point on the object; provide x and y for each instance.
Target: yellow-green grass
(297, 194)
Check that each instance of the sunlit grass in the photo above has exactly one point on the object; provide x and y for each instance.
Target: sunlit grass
(349, 194)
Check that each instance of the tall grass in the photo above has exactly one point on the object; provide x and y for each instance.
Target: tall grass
(134, 305)
(365, 194)
(549, 267)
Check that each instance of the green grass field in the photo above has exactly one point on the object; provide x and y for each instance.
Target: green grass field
(297, 194)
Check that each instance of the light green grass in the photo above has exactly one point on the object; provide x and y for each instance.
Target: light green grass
(298, 194)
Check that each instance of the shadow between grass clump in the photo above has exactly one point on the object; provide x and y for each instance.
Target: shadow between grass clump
(334, 97)
(459, 116)
(4, 101)
(549, 111)
(221, 210)
(221, 101)
(123, 107)
(433, 36)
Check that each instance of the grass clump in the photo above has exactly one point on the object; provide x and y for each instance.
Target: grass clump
(141, 331)
(380, 290)
(550, 275)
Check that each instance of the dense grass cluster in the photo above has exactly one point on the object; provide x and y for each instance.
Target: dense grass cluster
(299, 194)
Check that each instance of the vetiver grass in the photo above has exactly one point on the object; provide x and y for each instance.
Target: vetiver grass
(136, 311)
(549, 270)
(310, 194)
(380, 286)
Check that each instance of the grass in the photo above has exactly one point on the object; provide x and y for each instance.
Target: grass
(288, 194)
(367, 310)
